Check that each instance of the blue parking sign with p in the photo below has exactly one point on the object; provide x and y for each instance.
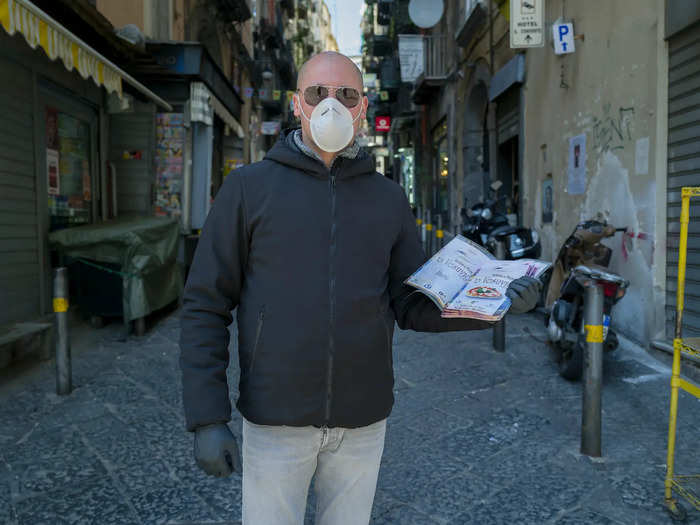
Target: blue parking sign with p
(563, 38)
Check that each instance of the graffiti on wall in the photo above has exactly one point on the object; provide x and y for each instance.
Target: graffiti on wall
(613, 131)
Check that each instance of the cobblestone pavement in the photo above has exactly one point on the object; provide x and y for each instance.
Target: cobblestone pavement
(476, 437)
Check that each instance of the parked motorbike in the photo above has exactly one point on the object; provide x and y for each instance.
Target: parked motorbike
(486, 226)
(582, 258)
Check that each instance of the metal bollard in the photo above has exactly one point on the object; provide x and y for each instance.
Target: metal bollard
(428, 234)
(499, 329)
(592, 371)
(60, 308)
(439, 234)
(419, 223)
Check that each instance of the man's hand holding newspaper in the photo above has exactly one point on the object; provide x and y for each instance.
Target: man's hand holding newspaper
(464, 280)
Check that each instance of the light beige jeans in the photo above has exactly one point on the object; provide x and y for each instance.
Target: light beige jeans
(279, 463)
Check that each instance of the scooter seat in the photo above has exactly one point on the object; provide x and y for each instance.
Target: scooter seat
(504, 230)
(600, 273)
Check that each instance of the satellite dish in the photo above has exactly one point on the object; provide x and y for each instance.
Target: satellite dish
(425, 13)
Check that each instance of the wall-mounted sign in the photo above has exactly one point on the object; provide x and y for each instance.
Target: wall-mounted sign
(369, 80)
(563, 38)
(381, 152)
(382, 123)
(547, 200)
(52, 173)
(411, 57)
(577, 165)
(526, 23)
(270, 127)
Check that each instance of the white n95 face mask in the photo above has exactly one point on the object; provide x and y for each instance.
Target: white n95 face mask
(332, 125)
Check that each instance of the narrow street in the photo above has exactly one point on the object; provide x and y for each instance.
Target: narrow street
(475, 437)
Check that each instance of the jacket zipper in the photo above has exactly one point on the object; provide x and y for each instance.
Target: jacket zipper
(331, 296)
(258, 333)
(388, 339)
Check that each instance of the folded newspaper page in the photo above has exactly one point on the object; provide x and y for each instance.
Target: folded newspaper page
(464, 280)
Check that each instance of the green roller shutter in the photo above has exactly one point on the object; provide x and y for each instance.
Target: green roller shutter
(19, 255)
(132, 144)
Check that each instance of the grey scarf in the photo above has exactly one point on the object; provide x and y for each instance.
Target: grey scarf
(350, 152)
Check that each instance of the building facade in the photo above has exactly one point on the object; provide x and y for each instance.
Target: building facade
(165, 99)
(608, 131)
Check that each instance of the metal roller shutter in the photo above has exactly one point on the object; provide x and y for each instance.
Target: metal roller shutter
(132, 144)
(683, 170)
(19, 254)
(508, 114)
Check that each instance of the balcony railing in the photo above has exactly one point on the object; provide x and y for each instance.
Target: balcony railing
(435, 57)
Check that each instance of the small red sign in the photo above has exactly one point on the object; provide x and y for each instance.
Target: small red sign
(382, 123)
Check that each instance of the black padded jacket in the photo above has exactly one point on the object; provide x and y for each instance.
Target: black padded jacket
(314, 262)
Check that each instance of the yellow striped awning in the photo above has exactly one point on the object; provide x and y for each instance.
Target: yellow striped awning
(40, 30)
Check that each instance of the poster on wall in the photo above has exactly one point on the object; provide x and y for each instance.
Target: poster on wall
(231, 164)
(641, 156)
(547, 200)
(577, 165)
(51, 128)
(52, 172)
(170, 142)
(87, 188)
(270, 127)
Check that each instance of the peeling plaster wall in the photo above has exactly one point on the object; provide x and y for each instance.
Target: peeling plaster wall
(609, 90)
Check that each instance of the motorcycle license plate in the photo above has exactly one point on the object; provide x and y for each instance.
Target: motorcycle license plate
(606, 326)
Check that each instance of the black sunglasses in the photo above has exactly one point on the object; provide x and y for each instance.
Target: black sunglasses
(347, 96)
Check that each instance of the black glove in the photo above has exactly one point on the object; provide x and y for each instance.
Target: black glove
(524, 293)
(216, 451)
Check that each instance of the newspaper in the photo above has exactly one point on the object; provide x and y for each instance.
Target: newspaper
(465, 280)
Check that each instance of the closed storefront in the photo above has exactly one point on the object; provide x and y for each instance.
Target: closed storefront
(69, 151)
(19, 228)
(53, 109)
(683, 160)
(131, 155)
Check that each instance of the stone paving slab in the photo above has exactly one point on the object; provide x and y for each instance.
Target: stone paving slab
(476, 437)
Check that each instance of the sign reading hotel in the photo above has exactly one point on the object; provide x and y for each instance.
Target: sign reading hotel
(526, 23)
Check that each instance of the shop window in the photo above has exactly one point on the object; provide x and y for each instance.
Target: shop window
(68, 170)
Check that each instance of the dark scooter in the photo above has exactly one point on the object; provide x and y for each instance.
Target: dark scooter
(486, 226)
(582, 258)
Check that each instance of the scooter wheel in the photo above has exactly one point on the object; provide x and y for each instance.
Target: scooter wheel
(611, 342)
(571, 363)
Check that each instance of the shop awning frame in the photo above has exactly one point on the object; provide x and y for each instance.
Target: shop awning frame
(41, 30)
(192, 61)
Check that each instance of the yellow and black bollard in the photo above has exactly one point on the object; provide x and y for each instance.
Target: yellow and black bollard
(592, 370)
(60, 308)
(429, 239)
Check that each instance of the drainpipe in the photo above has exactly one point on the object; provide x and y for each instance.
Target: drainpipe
(491, 114)
(187, 176)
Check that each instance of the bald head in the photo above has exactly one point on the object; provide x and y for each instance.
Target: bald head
(329, 68)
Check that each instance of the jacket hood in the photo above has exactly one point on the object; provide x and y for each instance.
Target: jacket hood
(286, 153)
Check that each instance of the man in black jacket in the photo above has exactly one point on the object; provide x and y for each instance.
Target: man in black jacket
(312, 247)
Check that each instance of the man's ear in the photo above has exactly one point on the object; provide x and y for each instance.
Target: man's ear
(365, 107)
(297, 109)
